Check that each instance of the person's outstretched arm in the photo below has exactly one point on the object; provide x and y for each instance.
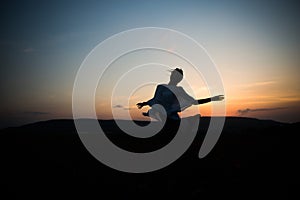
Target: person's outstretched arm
(215, 98)
(153, 100)
(141, 104)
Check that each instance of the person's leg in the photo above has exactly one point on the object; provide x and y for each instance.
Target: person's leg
(169, 130)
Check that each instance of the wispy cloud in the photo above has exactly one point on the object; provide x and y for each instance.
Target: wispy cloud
(121, 107)
(28, 50)
(118, 106)
(263, 83)
(36, 113)
(248, 110)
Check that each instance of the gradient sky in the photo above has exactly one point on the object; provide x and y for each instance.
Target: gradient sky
(255, 45)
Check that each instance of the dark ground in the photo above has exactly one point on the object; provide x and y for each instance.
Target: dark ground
(252, 159)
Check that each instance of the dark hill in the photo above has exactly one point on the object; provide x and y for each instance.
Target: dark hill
(253, 158)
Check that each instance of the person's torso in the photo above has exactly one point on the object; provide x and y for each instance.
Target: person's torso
(169, 100)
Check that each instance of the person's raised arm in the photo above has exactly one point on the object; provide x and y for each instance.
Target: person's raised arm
(215, 98)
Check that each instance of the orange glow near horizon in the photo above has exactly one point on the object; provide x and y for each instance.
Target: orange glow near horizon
(259, 100)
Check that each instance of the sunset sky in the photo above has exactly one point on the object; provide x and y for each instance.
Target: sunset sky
(255, 45)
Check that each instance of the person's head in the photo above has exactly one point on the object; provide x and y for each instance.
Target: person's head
(176, 76)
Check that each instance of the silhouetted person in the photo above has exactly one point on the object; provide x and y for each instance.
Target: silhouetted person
(173, 99)
(169, 99)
